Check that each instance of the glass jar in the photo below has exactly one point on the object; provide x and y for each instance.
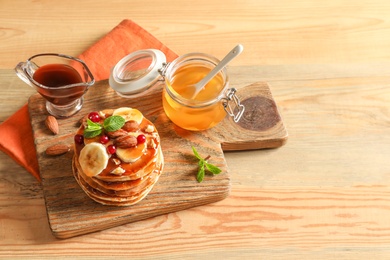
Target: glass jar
(138, 72)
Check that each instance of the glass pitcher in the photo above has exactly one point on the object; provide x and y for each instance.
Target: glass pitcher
(61, 79)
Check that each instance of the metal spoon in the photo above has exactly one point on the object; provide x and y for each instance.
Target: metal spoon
(231, 55)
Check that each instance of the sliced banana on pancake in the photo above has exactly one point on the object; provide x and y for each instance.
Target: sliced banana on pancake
(129, 114)
(130, 155)
(93, 159)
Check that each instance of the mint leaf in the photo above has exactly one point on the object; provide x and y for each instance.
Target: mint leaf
(212, 168)
(110, 124)
(204, 164)
(92, 129)
(200, 175)
(93, 125)
(91, 134)
(113, 123)
(196, 153)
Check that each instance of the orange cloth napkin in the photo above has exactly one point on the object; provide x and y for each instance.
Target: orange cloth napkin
(125, 38)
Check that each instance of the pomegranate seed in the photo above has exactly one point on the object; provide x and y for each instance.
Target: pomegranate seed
(141, 139)
(111, 149)
(94, 117)
(104, 139)
(79, 139)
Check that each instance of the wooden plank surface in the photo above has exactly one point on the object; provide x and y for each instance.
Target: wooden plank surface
(260, 126)
(285, 32)
(71, 212)
(328, 199)
(323, 195)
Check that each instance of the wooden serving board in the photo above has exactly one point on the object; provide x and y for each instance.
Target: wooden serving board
(71, 213)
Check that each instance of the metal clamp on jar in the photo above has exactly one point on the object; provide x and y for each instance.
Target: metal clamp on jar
(139, 72)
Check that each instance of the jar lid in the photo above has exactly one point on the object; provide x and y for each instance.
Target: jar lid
(137, 72)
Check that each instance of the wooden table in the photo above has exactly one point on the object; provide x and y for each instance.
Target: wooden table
(323, 195)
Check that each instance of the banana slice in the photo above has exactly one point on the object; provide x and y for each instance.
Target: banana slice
(93, 159)
(129, 114)
(130, 155)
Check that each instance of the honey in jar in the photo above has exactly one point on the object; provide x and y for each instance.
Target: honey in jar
(200, 112)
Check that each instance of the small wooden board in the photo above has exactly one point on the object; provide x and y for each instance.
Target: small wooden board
(71, 213)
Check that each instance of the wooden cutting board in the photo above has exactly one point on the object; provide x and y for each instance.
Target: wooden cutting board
(71, 213)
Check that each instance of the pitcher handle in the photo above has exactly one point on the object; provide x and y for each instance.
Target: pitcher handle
(19, 69)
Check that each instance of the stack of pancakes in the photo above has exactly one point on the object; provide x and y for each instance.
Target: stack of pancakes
(129, 174)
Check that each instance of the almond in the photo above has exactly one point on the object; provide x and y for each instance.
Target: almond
(151, 143)
(131, 126)
(126, 141)
(57, 149)
(52, 124)
(116, 134)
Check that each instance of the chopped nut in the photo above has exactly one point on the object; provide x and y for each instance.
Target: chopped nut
(116, 161)
(102, 114)
(107, 112)
(151, 143)
(118, 171)
(149, 129)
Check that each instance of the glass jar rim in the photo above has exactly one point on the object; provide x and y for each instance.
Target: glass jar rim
(126, 77)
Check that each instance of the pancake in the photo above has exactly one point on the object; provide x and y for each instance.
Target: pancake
(121, 188)
(112, 200)
(118, 157)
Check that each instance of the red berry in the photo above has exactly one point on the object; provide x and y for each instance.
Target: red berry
(94, 117)
(141, 139)
(79, 139)
(111, 149)
(104, 139)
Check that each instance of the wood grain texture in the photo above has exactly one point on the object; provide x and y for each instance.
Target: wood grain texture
(260, 126)
(323, 195)
(274, 223)
(72, 213)
(303, 32)
(327, 200)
